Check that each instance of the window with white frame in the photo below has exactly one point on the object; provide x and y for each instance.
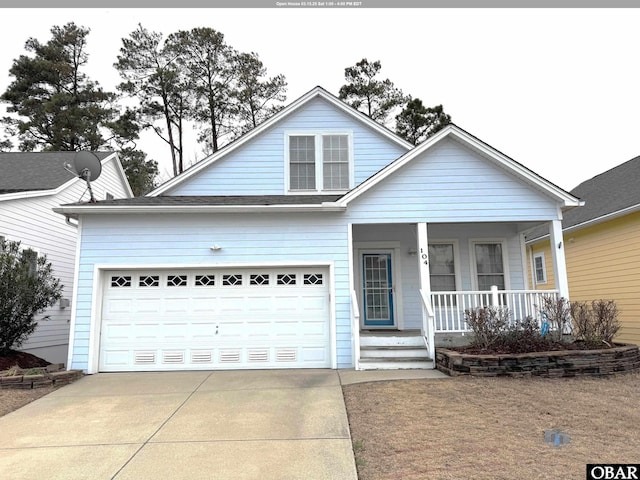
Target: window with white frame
(319, 162)
(489, 263)
(540, 267)
(442, 271)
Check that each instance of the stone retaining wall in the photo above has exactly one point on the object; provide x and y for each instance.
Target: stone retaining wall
(45, 377)
(562, 363)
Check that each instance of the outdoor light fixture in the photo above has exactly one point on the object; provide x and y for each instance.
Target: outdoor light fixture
(215, 248)
(412, 251)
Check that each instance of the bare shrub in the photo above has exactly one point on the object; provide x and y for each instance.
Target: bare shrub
(583, 324)
(487, 324)
(558, 314)
(597, 322)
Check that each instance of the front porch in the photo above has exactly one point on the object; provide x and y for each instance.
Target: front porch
(413, 282)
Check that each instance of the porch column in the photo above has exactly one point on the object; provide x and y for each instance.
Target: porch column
(423, 258)
(559, 261)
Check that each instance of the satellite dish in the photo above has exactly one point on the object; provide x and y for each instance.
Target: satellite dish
(87, 166)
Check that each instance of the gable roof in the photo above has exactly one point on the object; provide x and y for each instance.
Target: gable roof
(39, 174)
(36, 171)
(613, 191)
(317, 92)
(607, 195)
(456, 133)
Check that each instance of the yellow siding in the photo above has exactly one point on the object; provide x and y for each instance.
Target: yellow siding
(603, 261)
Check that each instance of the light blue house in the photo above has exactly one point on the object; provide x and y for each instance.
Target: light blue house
(318, 240)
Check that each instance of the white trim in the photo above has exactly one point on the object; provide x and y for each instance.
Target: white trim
(393, 248)
(355, 329)
(565, 198)
(318, 136)
(95, 321)
(523, 260)
(474, 266)
(535, 269)
(603, 218)
(150, 209)
(559, 260)
(100, 272)
(317, 92)
(74, 296)
(333, 334)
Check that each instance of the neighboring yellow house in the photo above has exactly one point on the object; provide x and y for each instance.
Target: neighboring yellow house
(602, 246)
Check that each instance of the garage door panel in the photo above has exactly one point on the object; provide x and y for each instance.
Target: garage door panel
(252, 318)
(176, 305)
(147, 305)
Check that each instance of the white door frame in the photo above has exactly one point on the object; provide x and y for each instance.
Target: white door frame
(393, 248)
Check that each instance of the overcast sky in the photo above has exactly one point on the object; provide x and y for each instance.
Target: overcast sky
(555, 89)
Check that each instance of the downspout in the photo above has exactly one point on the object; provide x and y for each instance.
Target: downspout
(68, 221)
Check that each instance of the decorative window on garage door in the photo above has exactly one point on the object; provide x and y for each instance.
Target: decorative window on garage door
(230, 280)
(286, 279)
(312, 279)
(205, 280)
(259, 279)
(120, 281)
(149, 281)
(176, 281)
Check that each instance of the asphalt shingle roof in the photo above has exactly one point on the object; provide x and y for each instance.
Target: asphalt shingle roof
(606, 193)
(226, 200)
(32, 171)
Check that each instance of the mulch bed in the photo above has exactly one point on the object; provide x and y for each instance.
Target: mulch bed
(547, 346)
(22, 360)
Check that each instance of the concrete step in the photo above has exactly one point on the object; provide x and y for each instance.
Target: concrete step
(398, 363)
(379, 340)
(395, 351)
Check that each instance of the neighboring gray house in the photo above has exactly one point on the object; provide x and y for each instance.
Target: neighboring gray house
(31, 185)
(320, 239)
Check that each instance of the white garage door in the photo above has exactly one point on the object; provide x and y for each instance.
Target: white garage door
(215, 319)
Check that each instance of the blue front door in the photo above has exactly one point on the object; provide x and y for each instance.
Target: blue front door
(377, 285)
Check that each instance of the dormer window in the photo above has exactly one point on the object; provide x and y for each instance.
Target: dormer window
(318, 162)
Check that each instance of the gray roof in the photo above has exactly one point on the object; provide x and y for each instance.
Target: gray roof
(33, 171)
(225, 200)
(604, 194)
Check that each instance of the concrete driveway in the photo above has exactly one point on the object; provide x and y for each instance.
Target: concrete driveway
(269, 424)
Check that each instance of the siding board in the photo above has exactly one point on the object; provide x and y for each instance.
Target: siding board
(438, 189)
(257, 168)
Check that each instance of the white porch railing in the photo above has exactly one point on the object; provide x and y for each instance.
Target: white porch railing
(428, 325)
(355, 328)
(449, 307)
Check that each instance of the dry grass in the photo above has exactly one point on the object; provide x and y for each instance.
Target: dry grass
(492, 428)
(13, 399)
